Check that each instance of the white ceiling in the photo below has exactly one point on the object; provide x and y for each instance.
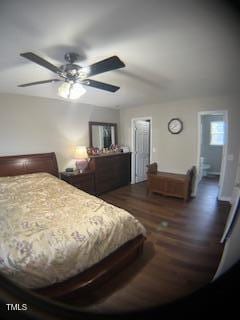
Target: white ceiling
(172, 49)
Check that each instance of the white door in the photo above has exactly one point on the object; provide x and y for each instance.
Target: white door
(237, 182)
(142, 149)
(234, 202)
(232, 214)
(200, 171)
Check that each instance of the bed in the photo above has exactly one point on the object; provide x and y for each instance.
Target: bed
(54, 238)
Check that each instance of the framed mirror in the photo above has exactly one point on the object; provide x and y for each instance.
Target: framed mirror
(102, 134)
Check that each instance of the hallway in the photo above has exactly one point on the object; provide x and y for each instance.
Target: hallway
(208, 191)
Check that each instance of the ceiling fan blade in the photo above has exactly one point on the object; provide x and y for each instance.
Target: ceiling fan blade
(38, 82)
(108, 64)
(42, 62)
(100, 85)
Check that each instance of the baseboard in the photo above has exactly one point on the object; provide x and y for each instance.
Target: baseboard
(214, 173)
(228, 199)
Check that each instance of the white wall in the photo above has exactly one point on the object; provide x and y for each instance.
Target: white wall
(32, 125)
(177, 153)
(212, 154)
(35, 125)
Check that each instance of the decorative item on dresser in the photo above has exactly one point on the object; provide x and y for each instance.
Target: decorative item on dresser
(170, 184)
(112, 170)
(81, 180)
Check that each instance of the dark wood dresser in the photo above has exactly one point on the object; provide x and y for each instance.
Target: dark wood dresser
(111, 171)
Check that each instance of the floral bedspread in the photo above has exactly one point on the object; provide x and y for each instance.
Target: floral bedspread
(51, 231)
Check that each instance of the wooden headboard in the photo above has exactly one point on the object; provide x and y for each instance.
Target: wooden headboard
(30, 163)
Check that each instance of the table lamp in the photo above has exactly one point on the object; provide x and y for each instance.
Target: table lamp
(81, 157)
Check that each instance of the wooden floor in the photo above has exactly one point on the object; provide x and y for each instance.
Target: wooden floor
(181, 253)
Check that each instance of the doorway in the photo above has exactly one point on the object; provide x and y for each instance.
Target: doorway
(212, 148)
(141, 148)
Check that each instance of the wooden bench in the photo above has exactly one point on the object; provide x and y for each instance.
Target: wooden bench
(170, 184)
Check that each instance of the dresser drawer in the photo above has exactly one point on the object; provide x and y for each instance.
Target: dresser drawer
(111, 171)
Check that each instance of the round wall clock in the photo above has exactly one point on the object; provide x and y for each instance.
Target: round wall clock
(175, 126)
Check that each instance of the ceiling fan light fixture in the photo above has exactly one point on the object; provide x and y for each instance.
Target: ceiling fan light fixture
(70, 90)
(63, 89)
(74, 75)
(83, 72)
(76, 91)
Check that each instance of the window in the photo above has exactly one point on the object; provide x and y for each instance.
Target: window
(217, 133)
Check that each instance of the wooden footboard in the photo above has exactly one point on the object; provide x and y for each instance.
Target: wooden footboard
(98, 274)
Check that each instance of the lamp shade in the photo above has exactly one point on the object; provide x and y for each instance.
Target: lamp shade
(69, 90)
(81, 152)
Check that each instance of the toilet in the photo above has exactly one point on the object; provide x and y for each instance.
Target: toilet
(204, 168)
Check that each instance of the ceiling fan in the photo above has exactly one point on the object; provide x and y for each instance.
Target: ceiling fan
(75, 76)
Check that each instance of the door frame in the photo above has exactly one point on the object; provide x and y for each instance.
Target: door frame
(133, 147)
(224, 113)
